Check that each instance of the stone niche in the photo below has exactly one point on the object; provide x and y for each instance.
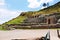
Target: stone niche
(51, 20)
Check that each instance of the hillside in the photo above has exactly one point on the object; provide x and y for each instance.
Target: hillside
(52, 9)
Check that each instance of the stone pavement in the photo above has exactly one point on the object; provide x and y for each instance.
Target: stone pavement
(27, 34)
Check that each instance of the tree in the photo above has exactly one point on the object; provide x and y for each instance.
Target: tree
(44, 4)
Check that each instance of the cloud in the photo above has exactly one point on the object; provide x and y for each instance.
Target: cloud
(45, 1)
(2, 2)
(36, 3)
(33, 4)
(6, 15)
(43, 7)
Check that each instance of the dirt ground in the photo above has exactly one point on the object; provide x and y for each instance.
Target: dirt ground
(27, 34)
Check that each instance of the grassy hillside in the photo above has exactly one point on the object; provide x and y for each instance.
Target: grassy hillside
(52, 9)
(16, 20)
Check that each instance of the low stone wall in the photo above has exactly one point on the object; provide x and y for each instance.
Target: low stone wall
(46, 26)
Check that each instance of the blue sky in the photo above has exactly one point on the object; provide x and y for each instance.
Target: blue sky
(12, 8)
(26, 5)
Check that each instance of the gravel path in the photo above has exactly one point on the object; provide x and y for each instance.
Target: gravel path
(27, 34)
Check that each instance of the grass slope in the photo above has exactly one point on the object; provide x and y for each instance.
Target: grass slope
(52, 9)
(16, 20)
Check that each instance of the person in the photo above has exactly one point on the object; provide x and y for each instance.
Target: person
(47, 37)
(58, 34)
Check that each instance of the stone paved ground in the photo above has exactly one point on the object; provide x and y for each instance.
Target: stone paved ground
(27, 34)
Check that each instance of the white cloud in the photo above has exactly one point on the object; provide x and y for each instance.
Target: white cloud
(36, 3)
(43, 7)
(33, 4)
(6, 15)
(2, 2)
(45, 1)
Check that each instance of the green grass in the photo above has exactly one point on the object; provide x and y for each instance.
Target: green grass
(16, 20)
(1, 28)
(52, 9)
